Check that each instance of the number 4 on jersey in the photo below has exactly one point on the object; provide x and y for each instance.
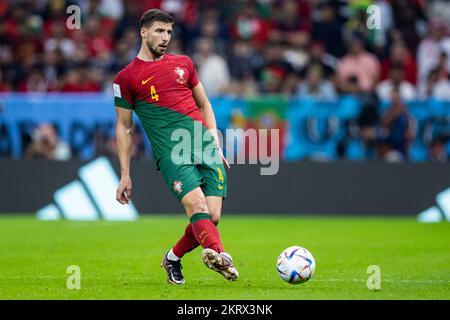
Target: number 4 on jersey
(155, 96)
(220, 175)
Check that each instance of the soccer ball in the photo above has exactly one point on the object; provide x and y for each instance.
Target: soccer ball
(296, 265)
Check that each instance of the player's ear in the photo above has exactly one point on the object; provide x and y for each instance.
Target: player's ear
(144, 32)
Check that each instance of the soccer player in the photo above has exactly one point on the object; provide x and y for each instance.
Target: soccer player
(166, 95)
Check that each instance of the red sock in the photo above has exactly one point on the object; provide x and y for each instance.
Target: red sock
(206, 232)
(187, 242)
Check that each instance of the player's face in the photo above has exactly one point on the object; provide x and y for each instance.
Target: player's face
(157, 37)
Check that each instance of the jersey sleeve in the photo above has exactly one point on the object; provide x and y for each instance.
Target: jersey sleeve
(193, 78)
(122, 92)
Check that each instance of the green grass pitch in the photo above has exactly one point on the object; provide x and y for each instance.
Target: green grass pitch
(121, 260)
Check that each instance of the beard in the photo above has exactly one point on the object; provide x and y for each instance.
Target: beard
(156, 50)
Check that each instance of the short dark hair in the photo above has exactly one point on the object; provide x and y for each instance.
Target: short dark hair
(153, 15)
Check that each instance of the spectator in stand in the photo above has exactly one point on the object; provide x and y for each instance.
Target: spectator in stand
(396, 80)
(79, 56)
(437, 151)
(443, 66)
(357, 22)
(327, 29)
(243, 59)
(315, 86)
(367, 123)
(4, 86)
(93, 77)
(33, 82)
(53, 67)
(97, 39)
(399, 55)
(246, 87)
(352, 87)
(396, 131)
(431, 47)
(54, 13)
(131, 39)
(326, 62)
(212, 69)
(441, 90)
(438, 9)
(290, 27)
(6, 52)
(103, 60)
(249, 25)
(46, 144)
(275, 75)
(360, 65)
(410, 21)
(210, 26)
(82, 79)
(105, 143)
(58, 40)
(107, 9)
(122, 55)
(291, 23)
(426, 88)
(437, 84)
(244, 62)
(71, 81)
(175, 47)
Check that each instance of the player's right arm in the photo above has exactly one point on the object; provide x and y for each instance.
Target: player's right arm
(124, 135)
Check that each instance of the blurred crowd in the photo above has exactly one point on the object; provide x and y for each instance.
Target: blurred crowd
(321, 49)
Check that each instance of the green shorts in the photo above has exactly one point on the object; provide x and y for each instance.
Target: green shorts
(183, 178)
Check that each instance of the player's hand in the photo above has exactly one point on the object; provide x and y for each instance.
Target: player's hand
(123, 194)
(224, 160)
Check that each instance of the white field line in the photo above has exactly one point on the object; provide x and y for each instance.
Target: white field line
(215, 278)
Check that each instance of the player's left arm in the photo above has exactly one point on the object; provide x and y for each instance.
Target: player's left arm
(202, 102)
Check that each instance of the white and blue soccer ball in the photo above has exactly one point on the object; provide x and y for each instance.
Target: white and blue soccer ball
(296, 265)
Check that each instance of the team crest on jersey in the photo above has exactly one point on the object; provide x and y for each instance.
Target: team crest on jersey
(177, 186)
(180, 73)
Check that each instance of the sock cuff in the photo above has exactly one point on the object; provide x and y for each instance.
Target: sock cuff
(199, 216)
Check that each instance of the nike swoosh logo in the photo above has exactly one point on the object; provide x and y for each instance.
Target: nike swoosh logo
(145, 81)
(220, 187)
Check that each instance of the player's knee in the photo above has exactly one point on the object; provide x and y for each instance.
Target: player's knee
(198, 204)
(214, 211)
(215, 219)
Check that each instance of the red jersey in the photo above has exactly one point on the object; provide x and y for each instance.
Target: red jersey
(160, 93)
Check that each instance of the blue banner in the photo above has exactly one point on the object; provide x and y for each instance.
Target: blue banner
(315, 129)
